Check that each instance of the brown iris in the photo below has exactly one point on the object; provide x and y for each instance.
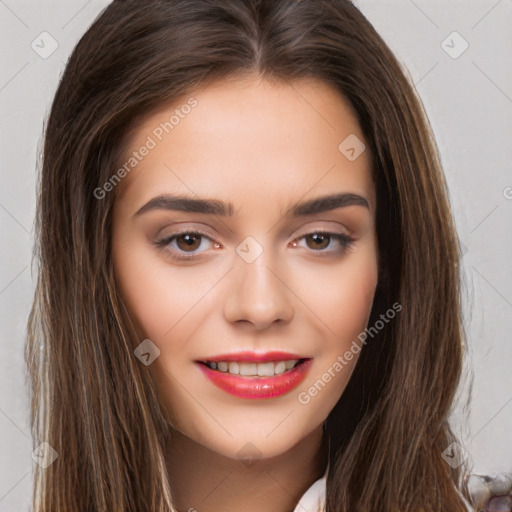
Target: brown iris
(190, 241)
(319, 239)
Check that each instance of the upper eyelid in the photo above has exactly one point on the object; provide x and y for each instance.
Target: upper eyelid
(308, 230)
(211, 237)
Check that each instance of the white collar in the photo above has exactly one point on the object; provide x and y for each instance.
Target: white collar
(313, 500)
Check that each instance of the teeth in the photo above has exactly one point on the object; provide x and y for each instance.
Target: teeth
(266, 369)
(248, 369)
(252, 369)
(290, 364)
(280, 367)
(234, 368)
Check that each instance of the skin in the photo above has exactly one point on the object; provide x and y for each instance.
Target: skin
(263, 147)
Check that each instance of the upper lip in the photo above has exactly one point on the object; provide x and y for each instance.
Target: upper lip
(255, 357)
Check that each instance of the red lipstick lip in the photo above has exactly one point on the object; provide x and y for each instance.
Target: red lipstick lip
(255, 387)
(254, 357)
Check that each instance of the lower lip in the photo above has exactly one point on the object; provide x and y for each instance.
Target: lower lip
(258, 387)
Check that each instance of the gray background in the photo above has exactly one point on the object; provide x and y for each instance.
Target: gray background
(469, 102)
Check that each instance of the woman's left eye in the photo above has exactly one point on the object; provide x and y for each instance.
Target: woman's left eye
(186, 245)
(320, 240)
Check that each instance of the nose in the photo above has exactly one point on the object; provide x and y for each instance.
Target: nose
(258, 294)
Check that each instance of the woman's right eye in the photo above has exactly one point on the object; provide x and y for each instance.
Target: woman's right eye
(182, 245)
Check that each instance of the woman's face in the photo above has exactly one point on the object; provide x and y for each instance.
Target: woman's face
(240, 263)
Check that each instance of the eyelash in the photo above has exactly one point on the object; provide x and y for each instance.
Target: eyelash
(345, 241)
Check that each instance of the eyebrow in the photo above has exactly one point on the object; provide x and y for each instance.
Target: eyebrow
(216, 207)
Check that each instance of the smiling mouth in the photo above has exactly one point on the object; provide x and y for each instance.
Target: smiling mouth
(252, 369)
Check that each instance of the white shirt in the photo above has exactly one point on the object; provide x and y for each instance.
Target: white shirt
(313, 500)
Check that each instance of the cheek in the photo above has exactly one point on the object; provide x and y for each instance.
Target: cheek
(157, 297)
(342, 296)
(136, 280)
(348, 304)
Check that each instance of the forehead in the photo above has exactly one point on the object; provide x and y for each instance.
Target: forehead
(237, 138)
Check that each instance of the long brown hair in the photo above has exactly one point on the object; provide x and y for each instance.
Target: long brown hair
(92, 401)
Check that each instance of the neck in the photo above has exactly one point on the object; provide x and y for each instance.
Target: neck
(206, 481)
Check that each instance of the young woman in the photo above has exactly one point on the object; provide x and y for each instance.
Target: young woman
(248, 280)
